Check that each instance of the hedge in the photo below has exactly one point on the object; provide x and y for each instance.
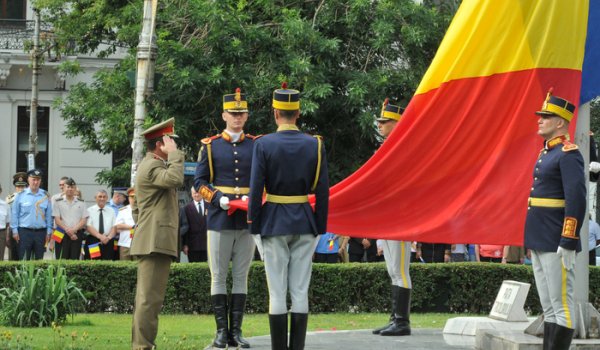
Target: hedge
(456, 287)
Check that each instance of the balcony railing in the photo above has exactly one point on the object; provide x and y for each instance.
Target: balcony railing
(14, 34)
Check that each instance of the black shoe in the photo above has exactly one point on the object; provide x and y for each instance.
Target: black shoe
(219, 302)
(236, 316)
(298, 331)
(562, 337)
(278, 327)
(394, 302)
(401, 324)
(548, 335)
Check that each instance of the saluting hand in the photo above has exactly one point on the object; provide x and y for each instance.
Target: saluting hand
(169, 145)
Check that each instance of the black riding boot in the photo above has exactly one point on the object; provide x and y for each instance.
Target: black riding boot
(236, 315)
(219, 302)
(391, 321)
(401, 325)
(562, 338)
(298, 331)
(548, 335)
(278, 327)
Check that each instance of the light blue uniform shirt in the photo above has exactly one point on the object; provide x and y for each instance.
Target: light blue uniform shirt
(115, 207)
(594, 234)
(323, 247)
(32, 211)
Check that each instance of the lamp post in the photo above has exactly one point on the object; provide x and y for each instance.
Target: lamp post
(33, 137)
(146, 56)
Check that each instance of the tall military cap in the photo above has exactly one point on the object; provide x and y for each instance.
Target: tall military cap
(557, 106)
(35, 173)
(390, 111)
(159, 130)
(236, 102)
(120, 190)
(286, 99)
(20, 179)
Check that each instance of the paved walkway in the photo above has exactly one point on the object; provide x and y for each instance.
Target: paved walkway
(421, 339)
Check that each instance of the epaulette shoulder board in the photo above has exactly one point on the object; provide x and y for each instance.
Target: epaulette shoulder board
(123, 208)
(208, 140)
(11, 197)
(59, 199)
(568, 146)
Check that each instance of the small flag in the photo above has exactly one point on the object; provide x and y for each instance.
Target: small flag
(330, 245)
(58, 234)
(131, 232)
(94, 250)
(116, 245)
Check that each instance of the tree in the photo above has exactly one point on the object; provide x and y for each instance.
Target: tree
(346, 56)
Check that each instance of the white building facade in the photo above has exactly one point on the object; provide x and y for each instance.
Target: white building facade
(57, 156)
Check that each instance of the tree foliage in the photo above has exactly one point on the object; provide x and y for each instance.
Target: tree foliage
(345, 56)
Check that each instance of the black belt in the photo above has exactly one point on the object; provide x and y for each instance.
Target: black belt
(33, 229)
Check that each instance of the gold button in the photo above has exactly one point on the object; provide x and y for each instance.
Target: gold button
(236, 160)
(532, 188)
(528, 208)
(539, 161)
(237, 179)
(236, 170)
(545, 152)
(234, 145)
(537, 169)
(235, 152)
(237, 196)
(535, 178)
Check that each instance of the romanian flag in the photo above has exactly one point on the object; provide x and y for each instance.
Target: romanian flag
(458, 166)
(116, 245)
(58, 234)
(94, 250)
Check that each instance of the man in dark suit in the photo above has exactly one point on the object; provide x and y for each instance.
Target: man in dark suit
(289, 165)
(192, 228)
(357, 247)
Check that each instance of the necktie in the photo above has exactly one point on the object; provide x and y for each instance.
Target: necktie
(101, 222)
(198, 207)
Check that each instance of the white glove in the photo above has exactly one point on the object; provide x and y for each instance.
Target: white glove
(224, 203)
(567, 256)
(595, 167)
(245, 198)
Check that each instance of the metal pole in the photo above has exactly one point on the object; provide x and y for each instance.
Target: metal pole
(33, 137)
(146, 56)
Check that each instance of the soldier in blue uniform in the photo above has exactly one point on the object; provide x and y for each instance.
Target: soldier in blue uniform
(396, 253)
(31, 218)
(289, 165)
(222, 174)
(557, 205)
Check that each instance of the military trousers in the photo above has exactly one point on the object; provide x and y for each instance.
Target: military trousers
(288, 264)
(152, 277)
(555, 286)
(224, 246)
(397, 260)
(31, 243)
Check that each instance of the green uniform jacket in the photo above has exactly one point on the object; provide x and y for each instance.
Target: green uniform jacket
(156, 209)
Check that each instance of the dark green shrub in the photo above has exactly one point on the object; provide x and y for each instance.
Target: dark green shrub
(456, 287)
(38, 297)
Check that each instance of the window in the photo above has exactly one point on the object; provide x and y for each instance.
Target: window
(12, 12)
(41, 160)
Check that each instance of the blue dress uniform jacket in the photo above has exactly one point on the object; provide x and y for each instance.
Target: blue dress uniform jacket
(558, 174)
(285, 163)
(230, 162)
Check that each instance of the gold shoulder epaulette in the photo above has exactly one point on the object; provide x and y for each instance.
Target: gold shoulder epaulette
(208, 140)
(252, 137)
(318, 136)
(568, 146)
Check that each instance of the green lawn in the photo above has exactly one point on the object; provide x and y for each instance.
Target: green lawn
(113, 331)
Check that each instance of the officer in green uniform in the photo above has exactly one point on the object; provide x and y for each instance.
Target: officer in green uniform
(156, 212)
(555, 213)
